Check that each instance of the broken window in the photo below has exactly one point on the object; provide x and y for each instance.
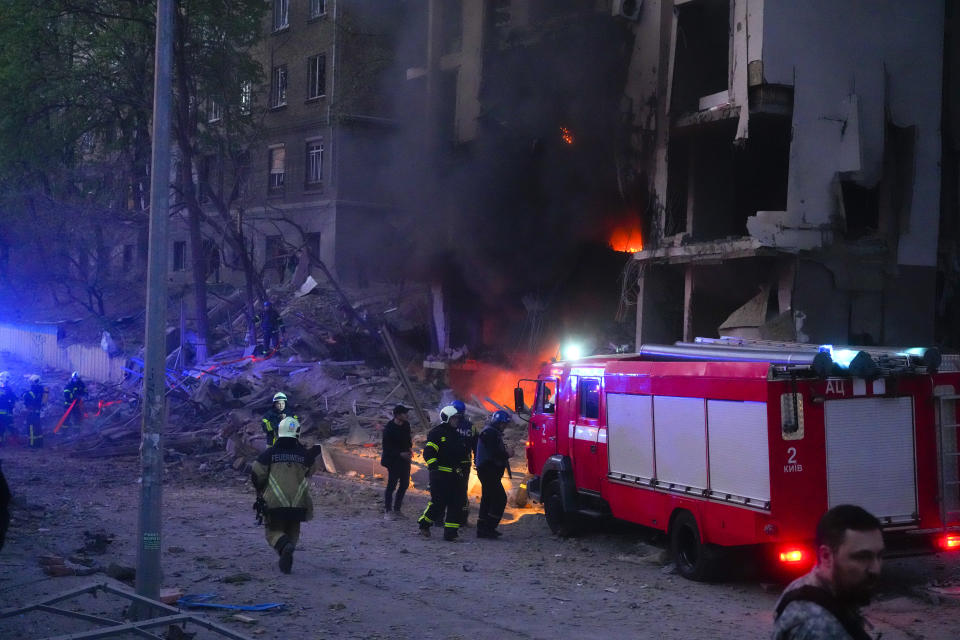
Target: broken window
(885, 207)
(714, 185)
(701, 54)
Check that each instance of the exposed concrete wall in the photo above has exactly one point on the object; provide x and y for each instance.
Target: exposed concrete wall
(888, 54)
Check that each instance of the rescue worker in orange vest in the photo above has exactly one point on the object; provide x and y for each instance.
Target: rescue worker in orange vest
(8, 400)
(273, 417)
(33, 399)
(281, 476)
(73, 394)
(446, 454)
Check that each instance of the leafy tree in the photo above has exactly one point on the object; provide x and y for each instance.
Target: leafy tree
(76, 83)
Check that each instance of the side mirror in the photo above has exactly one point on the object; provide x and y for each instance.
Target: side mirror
(519, 406)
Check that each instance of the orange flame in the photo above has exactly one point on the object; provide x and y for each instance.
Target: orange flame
(565, 135)
(627, 239)
(496, 382)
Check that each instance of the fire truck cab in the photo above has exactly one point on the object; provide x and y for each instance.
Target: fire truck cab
(729, 443)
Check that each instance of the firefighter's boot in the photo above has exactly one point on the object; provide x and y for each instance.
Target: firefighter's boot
(285, 548)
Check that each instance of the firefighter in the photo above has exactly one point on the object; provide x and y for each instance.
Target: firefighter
(396, 456)
(271, 324)
(33, 399)
(281, 476)
(73, 394)
(273, 416)
(445, 455)
(492, 460)
(825, 603)
(8, 400)
(468, 433)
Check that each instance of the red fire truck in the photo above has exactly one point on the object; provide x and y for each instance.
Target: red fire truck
(728, 443)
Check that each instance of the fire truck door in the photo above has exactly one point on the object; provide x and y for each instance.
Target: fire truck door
(543, 424)
(584, 431)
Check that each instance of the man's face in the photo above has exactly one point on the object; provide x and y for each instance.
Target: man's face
(280, 405)
(400, 418)
(854, 568)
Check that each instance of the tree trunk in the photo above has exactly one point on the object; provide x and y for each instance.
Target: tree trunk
(199, 280)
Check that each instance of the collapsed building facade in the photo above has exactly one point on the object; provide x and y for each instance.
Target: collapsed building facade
(789, 157)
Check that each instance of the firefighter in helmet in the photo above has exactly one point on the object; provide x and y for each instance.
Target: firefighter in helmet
(33, 399)
(274, 415)
(8, 400)
(446, 454)
(281, 476)
(73, 395)
(469, 434)
(492, 460)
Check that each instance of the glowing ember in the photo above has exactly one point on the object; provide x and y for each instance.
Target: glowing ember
(626, 239)
(565, 135)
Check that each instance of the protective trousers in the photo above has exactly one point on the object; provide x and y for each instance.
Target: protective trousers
(446, 495)
(276, 528)
(398, 478)
(34, 429)
(493, 501)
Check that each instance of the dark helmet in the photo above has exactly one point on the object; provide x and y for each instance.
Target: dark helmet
(500, 416)
(266, 303)
(459, 406)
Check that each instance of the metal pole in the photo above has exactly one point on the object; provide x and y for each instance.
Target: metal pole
(154, 387)
(398, 365)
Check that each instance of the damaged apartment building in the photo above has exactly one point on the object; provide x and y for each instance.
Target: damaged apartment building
(790, 153)
(310, 184)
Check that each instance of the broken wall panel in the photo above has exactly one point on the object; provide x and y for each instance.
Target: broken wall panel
(889, 55)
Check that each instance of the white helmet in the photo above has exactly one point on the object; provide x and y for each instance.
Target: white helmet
(447, 412)
(33, 378)
(4, 377)
(279, 395)
(288, 428)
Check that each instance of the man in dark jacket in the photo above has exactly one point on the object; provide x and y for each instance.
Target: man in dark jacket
(271, 324)
(825, 603)
(33, 399)
(396, 456)
(445, 454)
(492, 461)
(281, 475)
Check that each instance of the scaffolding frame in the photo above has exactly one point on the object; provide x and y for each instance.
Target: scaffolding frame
(116, 627)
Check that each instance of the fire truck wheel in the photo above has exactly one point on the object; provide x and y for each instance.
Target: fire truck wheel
(693, 559)
(562, 523)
